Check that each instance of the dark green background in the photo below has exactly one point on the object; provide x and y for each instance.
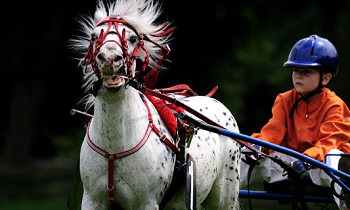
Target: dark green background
(238, 45)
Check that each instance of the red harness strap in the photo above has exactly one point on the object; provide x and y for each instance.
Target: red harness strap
(185, 90)
(148, 91)
(113, 156)
(181, 89)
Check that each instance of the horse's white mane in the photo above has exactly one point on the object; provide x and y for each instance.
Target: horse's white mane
(141, 14)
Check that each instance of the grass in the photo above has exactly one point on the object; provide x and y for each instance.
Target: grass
(28, 203)
(59, 203)
(44, 185)
(32, 203)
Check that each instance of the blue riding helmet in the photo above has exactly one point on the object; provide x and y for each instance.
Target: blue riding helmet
(314, 51)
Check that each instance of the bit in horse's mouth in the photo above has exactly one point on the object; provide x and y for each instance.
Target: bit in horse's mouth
(115, 80)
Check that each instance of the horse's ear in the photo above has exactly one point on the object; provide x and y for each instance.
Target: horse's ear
(138, 12)
(98, 16)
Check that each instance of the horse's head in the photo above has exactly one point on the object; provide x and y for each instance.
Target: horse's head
(113, 49)
(117, 35)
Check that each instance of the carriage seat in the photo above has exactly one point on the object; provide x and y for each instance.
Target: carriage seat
(288, 188)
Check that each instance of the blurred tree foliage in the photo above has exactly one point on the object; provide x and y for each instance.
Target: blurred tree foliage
(239, 46)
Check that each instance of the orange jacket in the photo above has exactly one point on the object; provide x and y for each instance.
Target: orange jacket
(315, 129)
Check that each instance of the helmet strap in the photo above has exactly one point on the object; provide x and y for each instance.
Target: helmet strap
(318, 90)
(304, 98)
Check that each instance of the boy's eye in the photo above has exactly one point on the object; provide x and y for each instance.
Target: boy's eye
(307, 72)
(302, 71)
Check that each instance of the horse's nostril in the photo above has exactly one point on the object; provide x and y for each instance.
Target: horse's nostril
(101, 57)
(112, 59)
(118, 58)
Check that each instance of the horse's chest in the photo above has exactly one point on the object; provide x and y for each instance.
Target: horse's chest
(133, 175)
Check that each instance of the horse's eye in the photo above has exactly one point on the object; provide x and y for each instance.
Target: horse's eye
(93, 37)
(133, 39)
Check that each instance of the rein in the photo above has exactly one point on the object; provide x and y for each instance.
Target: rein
(209, 125)
(113, 156)
(114, 20)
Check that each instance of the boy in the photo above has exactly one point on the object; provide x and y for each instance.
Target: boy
(309, 119)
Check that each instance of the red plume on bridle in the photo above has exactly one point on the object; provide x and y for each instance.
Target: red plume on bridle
(150, 79)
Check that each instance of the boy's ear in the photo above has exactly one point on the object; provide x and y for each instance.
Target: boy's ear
(326, 79)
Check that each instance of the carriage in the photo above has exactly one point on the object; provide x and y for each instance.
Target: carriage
(143, 148)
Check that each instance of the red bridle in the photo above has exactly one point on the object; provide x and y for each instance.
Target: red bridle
(151, 78)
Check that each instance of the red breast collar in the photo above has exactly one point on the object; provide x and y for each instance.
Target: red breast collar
(113, 156)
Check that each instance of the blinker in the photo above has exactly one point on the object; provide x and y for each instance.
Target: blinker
(114, 17)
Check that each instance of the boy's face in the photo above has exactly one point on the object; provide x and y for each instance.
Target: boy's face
(305, 80)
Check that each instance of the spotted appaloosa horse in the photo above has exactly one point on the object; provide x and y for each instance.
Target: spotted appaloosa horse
(122, 157)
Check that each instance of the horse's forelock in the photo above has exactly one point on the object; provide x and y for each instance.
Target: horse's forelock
(142, 14)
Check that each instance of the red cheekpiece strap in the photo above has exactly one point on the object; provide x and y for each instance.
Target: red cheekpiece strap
(152, 77)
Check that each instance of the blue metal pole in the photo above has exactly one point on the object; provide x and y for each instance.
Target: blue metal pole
(281, 196)
(220, 130)
(330, 171)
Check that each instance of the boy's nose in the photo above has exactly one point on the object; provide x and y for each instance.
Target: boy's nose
(297, 74)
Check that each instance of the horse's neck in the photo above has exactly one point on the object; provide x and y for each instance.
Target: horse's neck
(119, 120)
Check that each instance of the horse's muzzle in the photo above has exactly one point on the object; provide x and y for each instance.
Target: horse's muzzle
(110, 64)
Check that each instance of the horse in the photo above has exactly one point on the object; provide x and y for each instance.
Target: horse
(123, 159)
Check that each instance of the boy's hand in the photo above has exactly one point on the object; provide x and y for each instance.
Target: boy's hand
(255, 155)
(299, 166)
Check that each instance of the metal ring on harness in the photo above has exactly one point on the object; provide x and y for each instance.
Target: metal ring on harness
(163, 137)
(110, 189)
(167, 47)
(174, 101)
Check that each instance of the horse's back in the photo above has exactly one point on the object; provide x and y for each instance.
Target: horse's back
(212, 109)
(216, 158)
